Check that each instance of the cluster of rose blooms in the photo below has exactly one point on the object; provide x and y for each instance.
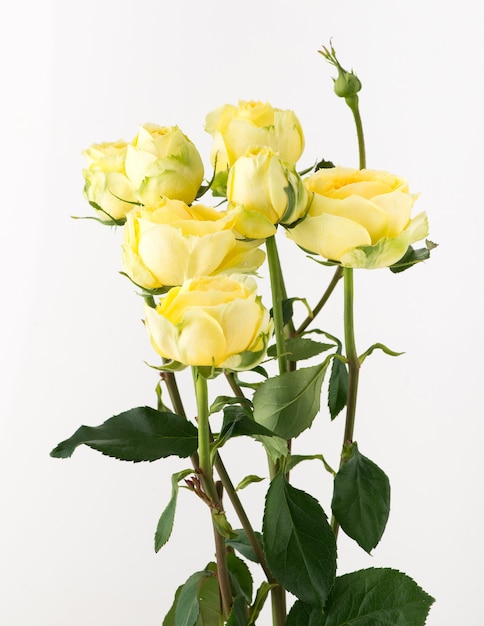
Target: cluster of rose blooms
(200, 258)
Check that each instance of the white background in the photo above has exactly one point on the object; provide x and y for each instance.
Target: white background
(76, 535)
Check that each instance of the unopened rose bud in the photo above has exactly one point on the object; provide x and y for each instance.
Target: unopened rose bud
(347, 84)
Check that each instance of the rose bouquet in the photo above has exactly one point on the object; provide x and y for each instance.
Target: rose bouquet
(195, 266)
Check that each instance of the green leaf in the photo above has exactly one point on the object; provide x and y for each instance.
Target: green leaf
(302, 614)
(187, 608)
(295, 459)
(412, 256)
(238, 421)
(209, 602)
(237, 615)
(287, 309)
(378, 346)
(240, 577)
(287, 404)
(165, 523)
(338, 388)
(170, 616)
(141, 434)
(222, 401)
(299, 348)
(299, 543)
(248, 480)
(260, 599)
(242, 544)
(275, 447)
(197, 602)
(377, 597)
(361, 499)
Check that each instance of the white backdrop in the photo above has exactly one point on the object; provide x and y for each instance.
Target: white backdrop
(76, 535)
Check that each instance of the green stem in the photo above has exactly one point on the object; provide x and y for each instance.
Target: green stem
(204, 436)
(242, 515)
(210, 489)
(324, 298)
(278, 594)
(353, 104)
(278, 292)
(351, 355)
(176, 401)
(353, 367)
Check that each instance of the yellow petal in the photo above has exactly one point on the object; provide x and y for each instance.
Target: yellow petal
(364, 212)
(201, 340)
(329, 236)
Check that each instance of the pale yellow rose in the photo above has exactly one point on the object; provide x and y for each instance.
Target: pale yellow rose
(359, 218)
(260, 182)
(236, 128)
(214, 321)
(162, 161)
(107, 188)
(170, 242)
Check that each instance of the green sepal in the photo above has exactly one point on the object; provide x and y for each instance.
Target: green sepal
(361, 498)
(242, 544)
(412, 256)
(287, 404)
(140, 434)
(376, 597)
(299, 543)
(167, 518)
(111, 221)
(323, 165)
(218, 184)
(158, 291)
(169, 366)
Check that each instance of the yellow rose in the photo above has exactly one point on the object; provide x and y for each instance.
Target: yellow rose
(168, 243)
(236, 128)
(107, 188)
(360, 218)
(262, 183)
(162, 161)
(214, 321)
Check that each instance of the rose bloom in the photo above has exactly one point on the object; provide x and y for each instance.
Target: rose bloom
(215, 321)
(236, 128)
(107, 188)
(162, 161)
(359, 218)
(266, 190)
(168, 243)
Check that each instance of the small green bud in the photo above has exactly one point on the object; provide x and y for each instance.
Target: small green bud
(347, 84)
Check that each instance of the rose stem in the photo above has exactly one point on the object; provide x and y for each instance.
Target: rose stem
(175, 397)
(277, 297)
(350, 347)
(201, 392)
(324, 298)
